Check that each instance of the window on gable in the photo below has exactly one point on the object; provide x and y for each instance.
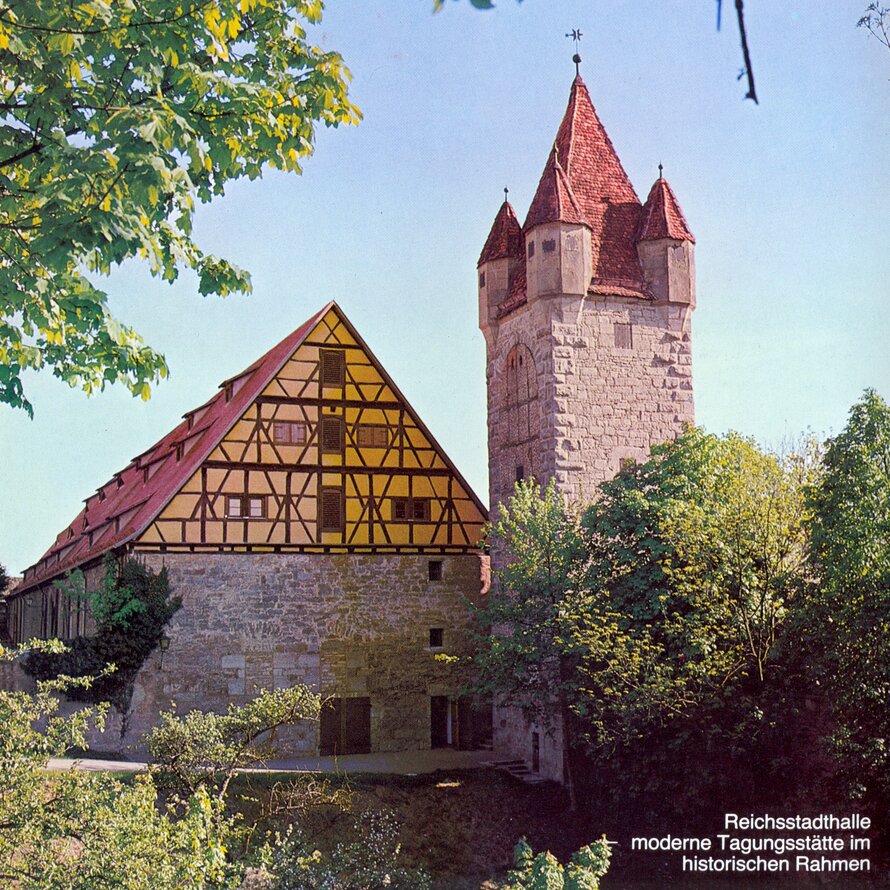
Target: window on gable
(370, 435)
(624, 338)
(411, 509)
(333, 367)
(332, 510)
(331, 435)
(245, 506)
(289, 432)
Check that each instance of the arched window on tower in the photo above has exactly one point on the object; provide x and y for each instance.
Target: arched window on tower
(520, 402)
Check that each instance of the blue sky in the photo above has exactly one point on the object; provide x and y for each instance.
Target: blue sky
(788, 201)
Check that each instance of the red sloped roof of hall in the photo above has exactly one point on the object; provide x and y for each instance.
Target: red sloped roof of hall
(132, 503)
(505, 237)
(662, 216)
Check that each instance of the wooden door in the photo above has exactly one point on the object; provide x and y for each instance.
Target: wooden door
(345, 726)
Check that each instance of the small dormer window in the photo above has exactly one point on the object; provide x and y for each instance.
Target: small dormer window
(549, 246)
(531, 249)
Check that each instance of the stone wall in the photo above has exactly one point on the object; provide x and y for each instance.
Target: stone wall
(346, 625)
(599, 402)
(612, 377)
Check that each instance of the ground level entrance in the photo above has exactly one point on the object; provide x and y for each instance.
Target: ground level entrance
(345, 726)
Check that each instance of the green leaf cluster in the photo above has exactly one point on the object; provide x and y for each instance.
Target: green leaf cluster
(130, 610)
(205, 750)
(845, 625)
(77, 830)
(117, 118)
(544, 871)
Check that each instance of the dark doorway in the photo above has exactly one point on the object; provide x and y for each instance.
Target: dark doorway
(440, 721)
(345, 726)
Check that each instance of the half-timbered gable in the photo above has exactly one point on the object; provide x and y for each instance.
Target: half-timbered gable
(315, 531)
(328, 457)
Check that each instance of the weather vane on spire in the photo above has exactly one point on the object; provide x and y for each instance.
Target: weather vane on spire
(576, 35)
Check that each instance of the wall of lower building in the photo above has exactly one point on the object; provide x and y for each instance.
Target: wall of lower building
(346, 625)
(514, 739)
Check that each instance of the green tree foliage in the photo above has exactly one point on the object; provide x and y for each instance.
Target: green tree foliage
(694, 558)
(654, 627)
(79, 830)
(4, 578)
(846, 623)
(544, 871)
(205, 750)
(526, 651)
(130, 609)
(76, 830)
(369, 862)
(118, 117)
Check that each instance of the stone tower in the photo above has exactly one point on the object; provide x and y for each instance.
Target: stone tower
(586, 311)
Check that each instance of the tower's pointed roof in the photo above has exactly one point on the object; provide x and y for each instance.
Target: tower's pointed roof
(554, 201)
(662, 216)
(584, 179)
(588, 156)
(505, 237)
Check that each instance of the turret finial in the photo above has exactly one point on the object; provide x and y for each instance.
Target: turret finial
(506, 192)
(660, 171)
(576, 35)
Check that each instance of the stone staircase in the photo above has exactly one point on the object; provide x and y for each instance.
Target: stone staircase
(519, 770)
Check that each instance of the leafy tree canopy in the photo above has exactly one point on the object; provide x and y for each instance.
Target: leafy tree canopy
(116, 118)
(845, 627)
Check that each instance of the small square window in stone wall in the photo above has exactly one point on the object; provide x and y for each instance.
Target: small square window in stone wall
(624, 337)
(481, 279)
(435, 569)
(437, 637)
(531, 249)
(549, 246)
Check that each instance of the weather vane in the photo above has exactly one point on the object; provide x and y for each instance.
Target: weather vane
(576, 35)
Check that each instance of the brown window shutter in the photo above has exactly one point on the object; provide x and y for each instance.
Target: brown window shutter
(331, 510)
(333, 367)
(331, 435)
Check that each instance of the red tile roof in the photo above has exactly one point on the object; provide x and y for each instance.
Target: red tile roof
(505, 237)
(584, 180)
(554, 201)
(126, 505)
(662, 216)
(516, 293)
